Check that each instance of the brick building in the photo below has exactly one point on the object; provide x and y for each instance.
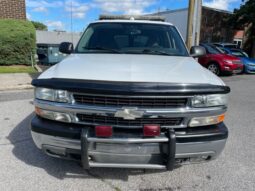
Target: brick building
(12, 9)
(214, 26)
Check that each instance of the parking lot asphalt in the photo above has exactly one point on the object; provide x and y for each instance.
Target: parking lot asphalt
(24, 167)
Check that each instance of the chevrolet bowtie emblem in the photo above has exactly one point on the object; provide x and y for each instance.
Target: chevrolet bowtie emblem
(129, 113)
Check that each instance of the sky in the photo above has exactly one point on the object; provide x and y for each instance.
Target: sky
(56, 14)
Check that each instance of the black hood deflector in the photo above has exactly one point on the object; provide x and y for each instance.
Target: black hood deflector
(129, 88)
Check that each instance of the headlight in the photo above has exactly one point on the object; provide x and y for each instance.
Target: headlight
(204, 121)
(209, 100)
(51, 95)
(228, 61)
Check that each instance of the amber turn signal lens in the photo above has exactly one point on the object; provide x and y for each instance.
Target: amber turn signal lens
(221, 118)
(37, 110)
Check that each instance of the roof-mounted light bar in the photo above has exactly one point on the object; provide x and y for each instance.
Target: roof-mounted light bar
(131, 17)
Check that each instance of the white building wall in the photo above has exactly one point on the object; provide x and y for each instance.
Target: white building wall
(56, 37)
(179, 18)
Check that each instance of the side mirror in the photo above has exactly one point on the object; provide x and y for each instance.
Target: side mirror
(197, 51)
(66, 47)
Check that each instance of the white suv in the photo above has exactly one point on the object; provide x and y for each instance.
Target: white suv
(130, 96)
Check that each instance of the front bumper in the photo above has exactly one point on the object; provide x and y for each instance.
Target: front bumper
(128, 150)
(234, 69)
(250, 69)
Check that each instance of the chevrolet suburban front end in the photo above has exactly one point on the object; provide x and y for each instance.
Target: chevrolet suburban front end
(130, 96)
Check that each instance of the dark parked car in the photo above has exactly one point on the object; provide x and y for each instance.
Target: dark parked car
(225, 45)
(49, 54)
(218, 62)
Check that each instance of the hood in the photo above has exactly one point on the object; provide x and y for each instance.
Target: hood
(132, 68)
(248, 60)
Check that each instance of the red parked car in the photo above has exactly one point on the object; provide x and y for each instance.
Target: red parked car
(217, 62)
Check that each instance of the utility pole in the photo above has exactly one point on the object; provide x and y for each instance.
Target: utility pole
(72, 20)
(194, 22)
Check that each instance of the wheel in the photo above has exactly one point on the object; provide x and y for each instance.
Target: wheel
(214, 68)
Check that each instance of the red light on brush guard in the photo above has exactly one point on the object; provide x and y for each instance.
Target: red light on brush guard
(103, 131)
(151, 130)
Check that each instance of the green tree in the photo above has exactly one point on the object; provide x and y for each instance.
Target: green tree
(17, 42)
(244, 18)
(39, 26)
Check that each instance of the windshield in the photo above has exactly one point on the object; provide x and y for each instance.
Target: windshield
(224, 51)
(230, 46)
(239, 53)
(211, 49)
(132, 38)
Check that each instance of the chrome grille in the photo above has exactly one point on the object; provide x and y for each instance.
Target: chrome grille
(142, 102)
(139, 122)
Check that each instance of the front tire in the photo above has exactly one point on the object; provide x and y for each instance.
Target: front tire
(214, 68)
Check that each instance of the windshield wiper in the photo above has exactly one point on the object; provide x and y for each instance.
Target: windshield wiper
(156, 52)
(103, 48)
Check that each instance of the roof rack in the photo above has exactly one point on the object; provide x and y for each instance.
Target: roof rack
(131, 17)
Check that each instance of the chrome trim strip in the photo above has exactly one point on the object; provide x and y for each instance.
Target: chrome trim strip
(133, 126)
(112, 110)
(117, 165)
(185, 155)
(130, 96)
(129, 140)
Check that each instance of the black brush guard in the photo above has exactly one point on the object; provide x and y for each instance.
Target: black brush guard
(169, 139)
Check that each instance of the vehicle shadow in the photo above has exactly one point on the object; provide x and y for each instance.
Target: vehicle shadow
(25, 150)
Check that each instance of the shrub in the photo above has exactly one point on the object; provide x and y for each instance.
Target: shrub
(39, 26)
(17, 42)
